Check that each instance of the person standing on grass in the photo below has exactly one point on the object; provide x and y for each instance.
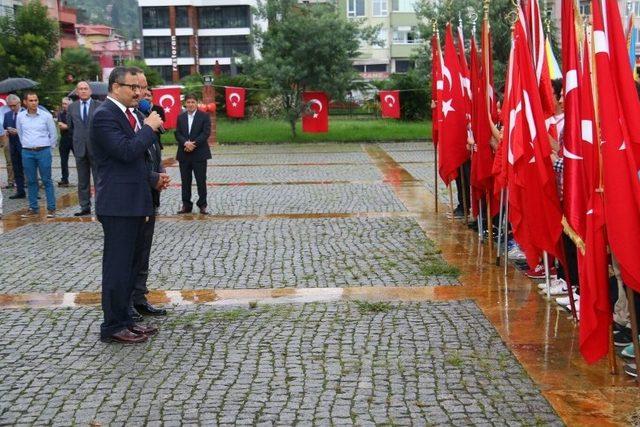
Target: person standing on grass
(38, 137)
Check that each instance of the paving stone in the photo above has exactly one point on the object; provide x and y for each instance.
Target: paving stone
(209, 347)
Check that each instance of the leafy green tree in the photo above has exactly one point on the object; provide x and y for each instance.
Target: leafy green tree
(153, 77)
(79, 64)
(306, 47)
(28, 42)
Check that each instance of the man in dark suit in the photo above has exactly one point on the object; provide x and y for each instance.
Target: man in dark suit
(15, 148)
(192, 132)
(65, 146)
(140, 304)
(123, 199)
(79, 119)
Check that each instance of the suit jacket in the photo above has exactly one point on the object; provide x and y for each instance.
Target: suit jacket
(200, 130)
(154, 163)
(10, 123)
(80, 130)
(120, 156)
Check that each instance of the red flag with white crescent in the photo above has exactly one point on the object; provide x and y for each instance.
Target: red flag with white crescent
(169, 99)
(390, 103)
(235, 100)
(316, 116)
(3, 99)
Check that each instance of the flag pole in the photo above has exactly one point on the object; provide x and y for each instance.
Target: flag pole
(613, 364)
(506, 231)
(634, 328)
(500, 231)
(434, 28)
(479, 220)
(463, 184)
(451, 200)
(489, 222)
(547, 275)
(435, 177)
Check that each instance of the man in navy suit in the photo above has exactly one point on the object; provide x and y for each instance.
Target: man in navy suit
(192, 132)
(13, 101)
(123, 200)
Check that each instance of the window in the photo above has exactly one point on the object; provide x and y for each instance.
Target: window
(155, 17)
(184, 71)
(165, 71)
(406, 35)
(383, 38)
(355, 8)
(182, 17)
(223, 47)
(184, 49)
(585, 8)
(359, 68)
(380, 8)
(376, 68)
(403, 5)
(404, 65)
(157, 47)
(224, 17)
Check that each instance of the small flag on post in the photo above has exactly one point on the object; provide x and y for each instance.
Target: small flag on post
(316, 117)
(169, 99)
(390, 103)
(235, 100)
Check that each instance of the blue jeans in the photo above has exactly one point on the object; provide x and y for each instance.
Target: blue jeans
(34, 162)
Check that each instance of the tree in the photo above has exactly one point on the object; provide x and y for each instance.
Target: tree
(306, 47)
(28, 42)
(79, 64)
(153, 77)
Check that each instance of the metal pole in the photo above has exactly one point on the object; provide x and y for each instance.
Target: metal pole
(506, 231)
(435, 175)
(451, 200)
(500, 231)
(634, 328)
(545, 260)
(480, 227)
(489, 222)
(463, 184)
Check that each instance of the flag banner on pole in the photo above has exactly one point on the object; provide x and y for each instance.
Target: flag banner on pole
(169, 99)
(452, 146)
(3, 99)
(465, 75)
(554, 68)
(235, 100)
(390, 103)
(316, 118)
(436, 88)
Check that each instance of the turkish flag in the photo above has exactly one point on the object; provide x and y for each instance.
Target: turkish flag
(169, 99)
(235, 99)
(452, 145)
(316, 118)
(3, 99)
(390, 103)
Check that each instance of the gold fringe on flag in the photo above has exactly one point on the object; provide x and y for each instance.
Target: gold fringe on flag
(569, 231)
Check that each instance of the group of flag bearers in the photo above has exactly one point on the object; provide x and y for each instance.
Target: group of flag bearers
(565, 187)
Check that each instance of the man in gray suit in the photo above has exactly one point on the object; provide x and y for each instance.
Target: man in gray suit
(79, 117)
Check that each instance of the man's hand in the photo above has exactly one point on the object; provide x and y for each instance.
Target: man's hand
(189, 146)
(153, 121)
(163, 181)
(12, 131)
(63, 126)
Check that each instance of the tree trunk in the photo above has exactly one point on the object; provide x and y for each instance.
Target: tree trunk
(292, 123)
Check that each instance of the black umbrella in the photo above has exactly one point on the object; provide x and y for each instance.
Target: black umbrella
(16, 83)
(98, 90)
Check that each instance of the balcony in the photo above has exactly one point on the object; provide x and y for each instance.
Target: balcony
(67, 15)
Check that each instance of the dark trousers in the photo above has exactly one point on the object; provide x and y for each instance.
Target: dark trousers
(66, 147)
(15, 151)
(123, 236)
(466, 172)
(199, 170)
(141, 268)
(86, 171)
(571, 257)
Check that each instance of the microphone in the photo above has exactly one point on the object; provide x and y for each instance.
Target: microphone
(145, 107)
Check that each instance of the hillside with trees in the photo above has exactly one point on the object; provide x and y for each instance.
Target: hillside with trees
(120, 14)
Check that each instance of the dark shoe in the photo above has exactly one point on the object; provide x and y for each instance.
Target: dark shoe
(30, 214)
(125, 336)
(8, 186)
(622, 338)
(458, 212)
(18, 196)
(140, 329)
(137, 317)
(630, 369)
(147, 309)
(83, 212)
(203, 211)
(63, 183)
(184, 210)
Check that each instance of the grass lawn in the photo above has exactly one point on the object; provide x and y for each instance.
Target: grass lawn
(258, 131)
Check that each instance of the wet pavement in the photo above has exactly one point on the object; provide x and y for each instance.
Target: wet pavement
(359, 320)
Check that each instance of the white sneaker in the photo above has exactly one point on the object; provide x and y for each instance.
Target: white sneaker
(564, 301)
(554, 282)
(516, 253)
(559, 288)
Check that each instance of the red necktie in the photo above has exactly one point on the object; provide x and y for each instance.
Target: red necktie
(132, 120)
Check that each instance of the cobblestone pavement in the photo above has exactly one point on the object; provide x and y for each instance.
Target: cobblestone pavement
(287, 148)
(285, 199)
(425, 173)
(407, 146)
(341, 364)
(412, 156)
(285, 173)
(275, 253)
(290, 158)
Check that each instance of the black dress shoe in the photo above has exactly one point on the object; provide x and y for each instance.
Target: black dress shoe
(18, 196)
(149, 310)
(83, 212)
(184, 210)
(135, 315)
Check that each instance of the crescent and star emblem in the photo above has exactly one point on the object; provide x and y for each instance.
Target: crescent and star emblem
(390, 99)
(167, 108)
(3, 102)
(232, 96)
(319, 104)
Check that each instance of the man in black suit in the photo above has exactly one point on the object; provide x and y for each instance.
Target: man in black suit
(123, 200)
(140, 304)
(9, 124)
(192, 133)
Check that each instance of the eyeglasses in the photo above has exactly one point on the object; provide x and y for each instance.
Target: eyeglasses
(133, 87)
(12, 105)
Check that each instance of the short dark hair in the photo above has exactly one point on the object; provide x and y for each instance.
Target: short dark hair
(28, 93)
(138, 70)
(119, 73)
(557, 88)
(190, 96)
